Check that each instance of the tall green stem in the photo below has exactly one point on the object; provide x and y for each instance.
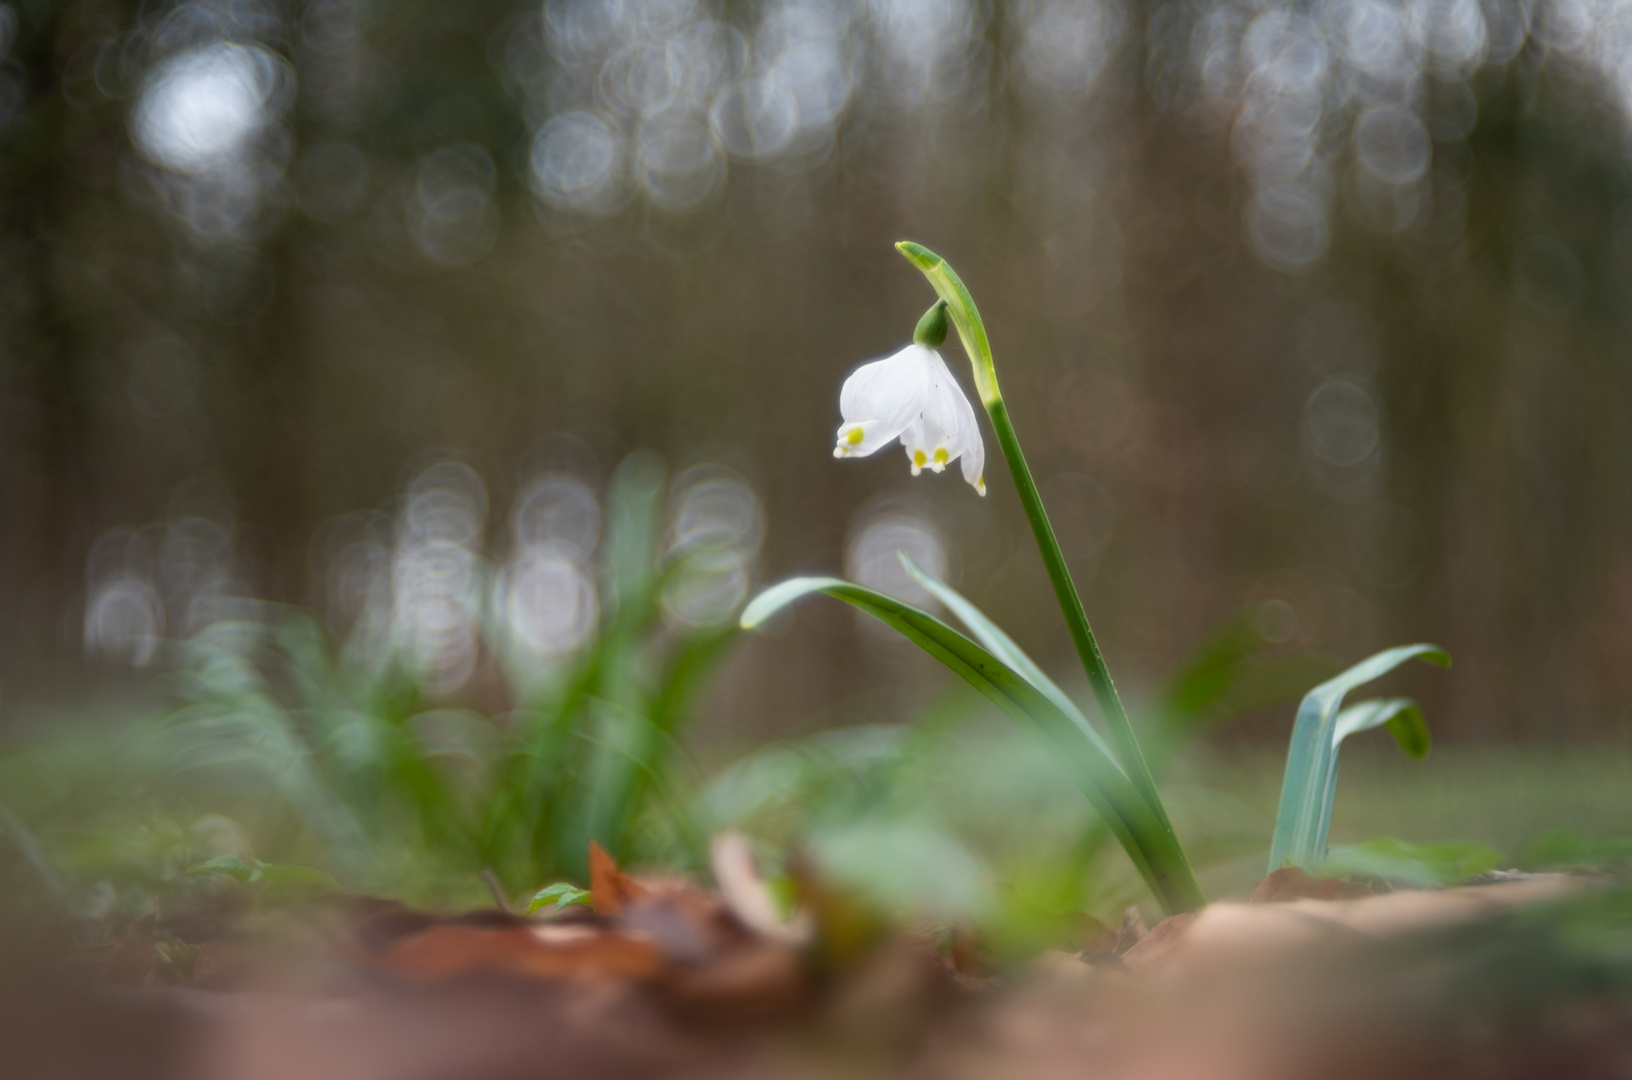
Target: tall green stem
(972, 332)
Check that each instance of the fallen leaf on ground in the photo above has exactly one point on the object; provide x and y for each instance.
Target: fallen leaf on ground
(610, 889)
(666, 933)
(571, 951)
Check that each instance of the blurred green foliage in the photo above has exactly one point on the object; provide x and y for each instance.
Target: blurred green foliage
(289, 752)
(342, 756)
(1421, 430)
(1400, 863)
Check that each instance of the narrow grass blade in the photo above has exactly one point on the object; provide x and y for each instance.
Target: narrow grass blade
(1142, 832)
(1305, 815)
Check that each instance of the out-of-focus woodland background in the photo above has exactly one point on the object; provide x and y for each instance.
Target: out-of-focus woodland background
(1320, 312)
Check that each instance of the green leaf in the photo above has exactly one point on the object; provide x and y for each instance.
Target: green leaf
(1310, 786)
(1402, 716)
(561, 893)
(1000, 645)
(1140, 829)
(1405, 863)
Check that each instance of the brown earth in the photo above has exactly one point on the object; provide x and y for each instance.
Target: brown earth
(662, 979)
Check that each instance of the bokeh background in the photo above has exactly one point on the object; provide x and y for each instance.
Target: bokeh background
(1315, 312)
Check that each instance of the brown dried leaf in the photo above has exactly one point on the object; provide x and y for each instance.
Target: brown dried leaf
(610, 889)
(1295, 883)
(549, 950)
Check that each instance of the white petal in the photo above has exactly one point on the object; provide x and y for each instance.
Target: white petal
(880, 399)
(946, 430)
(926, 445)
(968, 447)
(974, 460)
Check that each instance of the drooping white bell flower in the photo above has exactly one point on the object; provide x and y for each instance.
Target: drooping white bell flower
(912, 396)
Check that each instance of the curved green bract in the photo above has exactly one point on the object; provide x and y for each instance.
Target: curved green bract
(1142, 832)
(1310, 787)
(1000, 645)
(965, 316)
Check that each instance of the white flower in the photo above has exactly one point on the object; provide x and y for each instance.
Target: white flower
(911, 395)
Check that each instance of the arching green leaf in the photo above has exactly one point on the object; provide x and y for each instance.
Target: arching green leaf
(1130, 818)
(1000, 645)
(1308, 791)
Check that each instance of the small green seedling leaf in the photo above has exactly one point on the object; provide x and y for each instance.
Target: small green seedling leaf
(562, 894)
(1310, 788)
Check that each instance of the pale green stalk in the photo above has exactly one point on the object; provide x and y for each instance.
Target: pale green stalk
(972, 332)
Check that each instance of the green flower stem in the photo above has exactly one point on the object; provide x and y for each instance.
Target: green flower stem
(972, 332)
